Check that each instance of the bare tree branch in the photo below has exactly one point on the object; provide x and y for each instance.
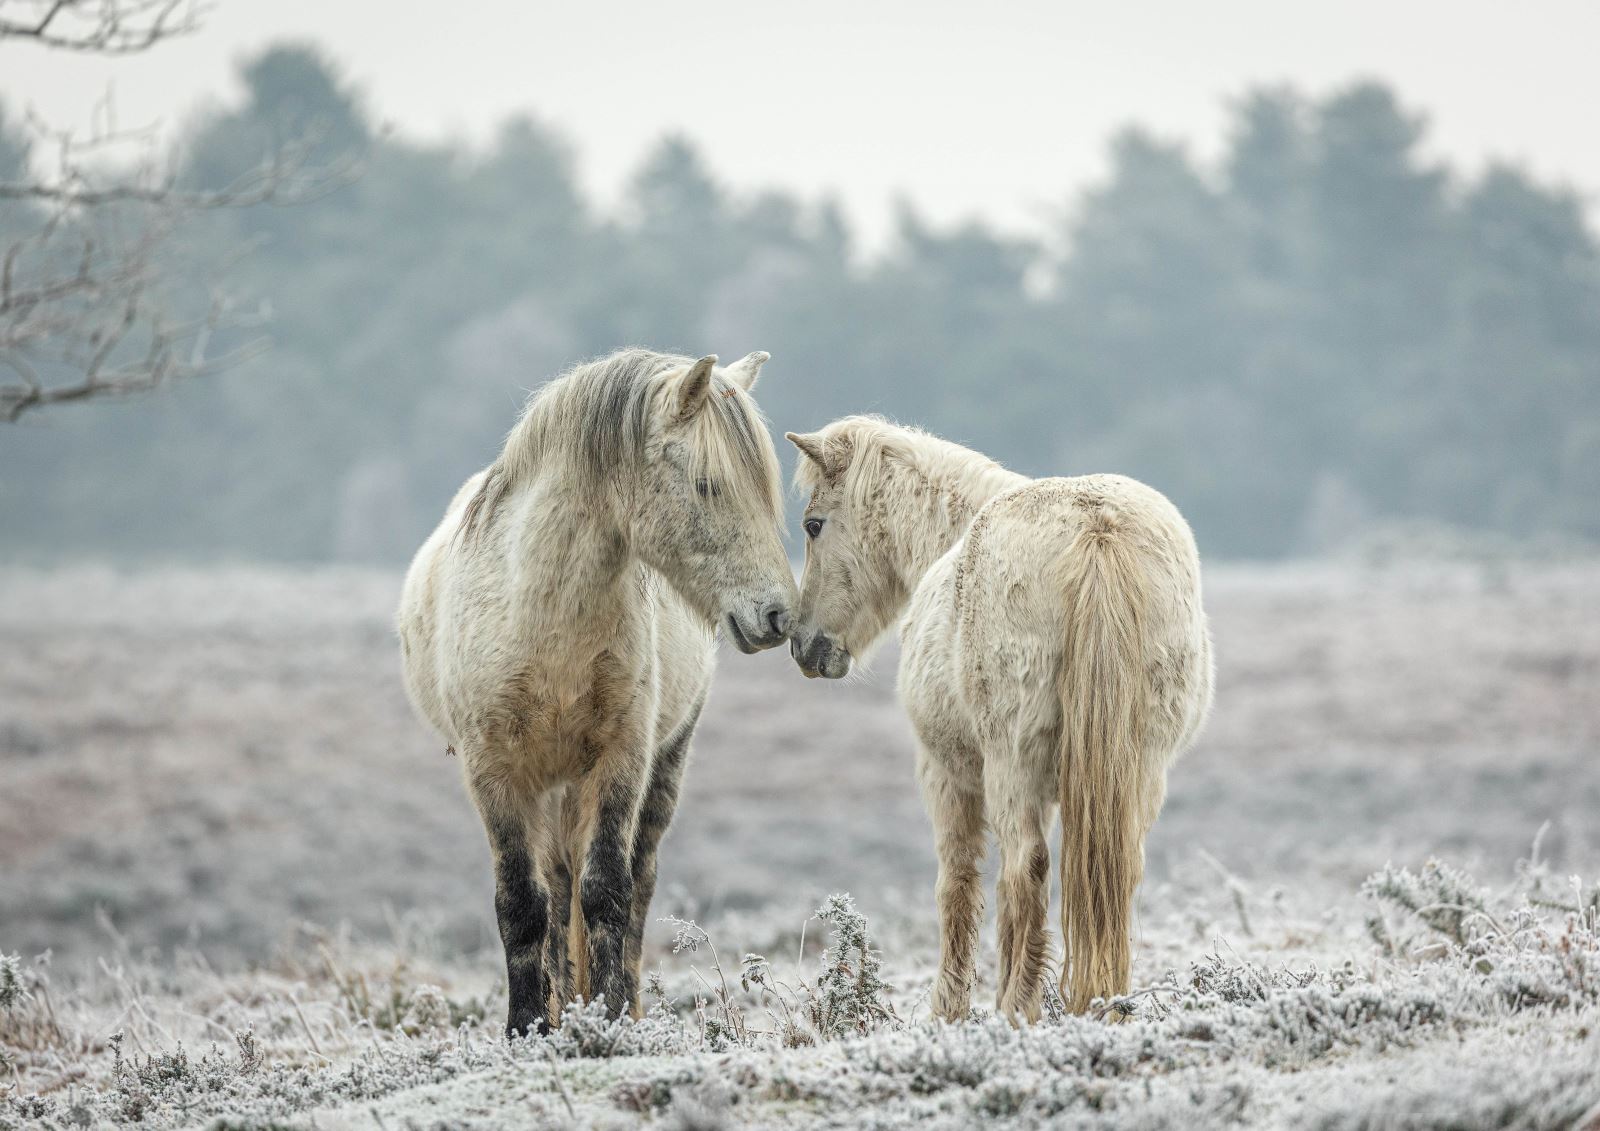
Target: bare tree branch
(105, 27)
(87, 299)
(95, 321)
(92, 300)
(284, 179)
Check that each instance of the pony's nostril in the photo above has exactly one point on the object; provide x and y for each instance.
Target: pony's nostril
(778, 620)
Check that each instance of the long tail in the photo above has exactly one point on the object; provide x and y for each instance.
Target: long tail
(1103, 687)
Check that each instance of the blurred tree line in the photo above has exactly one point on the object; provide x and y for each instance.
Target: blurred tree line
(1323, 331)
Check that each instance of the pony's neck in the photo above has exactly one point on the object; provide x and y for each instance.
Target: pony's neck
(938, 488)
(572, 559)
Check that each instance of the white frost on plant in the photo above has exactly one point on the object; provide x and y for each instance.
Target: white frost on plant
(1472, 1011)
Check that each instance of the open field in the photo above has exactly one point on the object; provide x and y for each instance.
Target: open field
(218, 814)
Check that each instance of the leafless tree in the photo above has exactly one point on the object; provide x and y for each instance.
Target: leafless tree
(90, 304)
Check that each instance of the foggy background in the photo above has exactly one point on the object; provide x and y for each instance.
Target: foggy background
(1329, 280)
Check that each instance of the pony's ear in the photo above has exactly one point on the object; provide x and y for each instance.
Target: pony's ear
(745, 371)
(694, 386)
(814, 446)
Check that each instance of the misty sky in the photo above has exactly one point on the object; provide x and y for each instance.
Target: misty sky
(1000, 109)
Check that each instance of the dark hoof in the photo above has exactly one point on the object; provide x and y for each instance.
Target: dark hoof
(527, 1027)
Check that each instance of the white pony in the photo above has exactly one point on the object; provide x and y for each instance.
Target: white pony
(557, 629)
(1054, 652)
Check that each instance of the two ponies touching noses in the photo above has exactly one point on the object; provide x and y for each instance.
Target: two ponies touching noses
(1054, 657)
(558, 628)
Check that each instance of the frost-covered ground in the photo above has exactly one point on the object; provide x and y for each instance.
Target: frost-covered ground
(267, 902)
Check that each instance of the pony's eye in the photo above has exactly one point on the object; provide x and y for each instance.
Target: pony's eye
(707, 488)
(813, 527)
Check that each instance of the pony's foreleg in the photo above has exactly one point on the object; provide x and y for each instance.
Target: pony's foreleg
(556, 873)
(608, 804)
(655, 814)
(955, 806)
(522, 908)
(1023, 895)
(557, 953)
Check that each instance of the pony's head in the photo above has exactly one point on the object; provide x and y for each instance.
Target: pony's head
(672, 456)
(706, 511)
(851, 590)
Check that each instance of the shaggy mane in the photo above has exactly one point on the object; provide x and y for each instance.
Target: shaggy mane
(866, 441)
(595, 420)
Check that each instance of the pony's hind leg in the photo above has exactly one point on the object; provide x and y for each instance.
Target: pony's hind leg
(522, 907)
(655, 814)
(1019, 817)
(955, 806)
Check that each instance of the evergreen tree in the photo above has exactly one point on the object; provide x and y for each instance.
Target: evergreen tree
(1321, 330)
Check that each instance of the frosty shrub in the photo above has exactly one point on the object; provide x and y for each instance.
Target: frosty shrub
(10, 981)
(850, 994)
(1446, 901)
(171, 1080)
(586, 1031)
(27, 1016)
(720, 1016)
(1475, 1010)
(780, 1001)
(429, 1008)
(1519, 954)
(848, 997)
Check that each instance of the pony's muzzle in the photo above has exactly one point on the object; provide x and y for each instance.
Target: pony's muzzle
(818, 656)
(768, 628)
